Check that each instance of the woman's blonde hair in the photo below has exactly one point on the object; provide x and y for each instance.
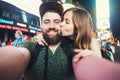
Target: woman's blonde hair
(83, 27)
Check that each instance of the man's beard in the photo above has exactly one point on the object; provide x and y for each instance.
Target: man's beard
(52, 41)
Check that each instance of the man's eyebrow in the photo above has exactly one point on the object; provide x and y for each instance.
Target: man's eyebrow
(57, 20)
(46, 20)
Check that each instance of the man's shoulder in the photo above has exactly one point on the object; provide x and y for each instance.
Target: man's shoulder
(27, 43)
(30, 45)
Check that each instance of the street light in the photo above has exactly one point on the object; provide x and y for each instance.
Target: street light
(67, 5)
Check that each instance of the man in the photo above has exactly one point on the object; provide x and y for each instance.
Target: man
(51, 62)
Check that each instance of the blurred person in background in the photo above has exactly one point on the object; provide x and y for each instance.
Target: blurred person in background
(9, 42)
(19, 38)
(108, 51)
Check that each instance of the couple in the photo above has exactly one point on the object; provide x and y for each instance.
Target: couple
(53, 62)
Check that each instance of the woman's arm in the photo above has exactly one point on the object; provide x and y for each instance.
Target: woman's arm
(95, 50)
(40, 39)
(96, 47)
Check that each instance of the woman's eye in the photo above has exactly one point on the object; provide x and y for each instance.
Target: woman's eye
(67, 22)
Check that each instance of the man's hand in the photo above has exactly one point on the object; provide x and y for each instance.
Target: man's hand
(13, 62)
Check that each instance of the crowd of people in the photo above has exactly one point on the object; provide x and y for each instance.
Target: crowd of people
(18, 38)
(111, 49)
(66, 50)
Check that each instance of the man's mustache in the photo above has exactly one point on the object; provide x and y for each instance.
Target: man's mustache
(52, 29)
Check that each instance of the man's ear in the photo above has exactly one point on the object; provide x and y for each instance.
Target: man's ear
(41, 24)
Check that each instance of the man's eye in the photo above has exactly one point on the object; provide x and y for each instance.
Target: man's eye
(57, 22)
(46, 22)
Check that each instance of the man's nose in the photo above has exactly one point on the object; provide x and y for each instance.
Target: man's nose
(52, 25)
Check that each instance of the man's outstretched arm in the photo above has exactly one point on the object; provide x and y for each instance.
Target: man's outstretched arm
(13, 62)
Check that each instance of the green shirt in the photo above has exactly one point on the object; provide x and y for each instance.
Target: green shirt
(58, 65)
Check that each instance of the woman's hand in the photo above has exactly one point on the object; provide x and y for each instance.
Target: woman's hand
(41, 40)
(81, 53)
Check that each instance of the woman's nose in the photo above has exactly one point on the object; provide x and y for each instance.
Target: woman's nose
(61, 25)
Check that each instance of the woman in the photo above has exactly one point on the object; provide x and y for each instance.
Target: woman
(77, 25)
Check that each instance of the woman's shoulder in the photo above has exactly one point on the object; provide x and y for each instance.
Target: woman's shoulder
(95, 46)
(95, 41)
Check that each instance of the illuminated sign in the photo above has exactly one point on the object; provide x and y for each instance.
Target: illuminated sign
(6, 21)
(9, 13)
(38, 32)
(5, 26)
(34, 28)
(14, 18)
(21, 24)
(13, 28)
(32, 31)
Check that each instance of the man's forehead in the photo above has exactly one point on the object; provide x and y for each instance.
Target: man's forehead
(51, 16)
